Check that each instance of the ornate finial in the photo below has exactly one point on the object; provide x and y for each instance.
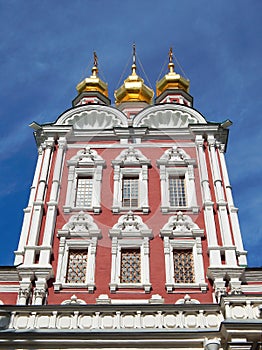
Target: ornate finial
(95, 67)
(134, 60)
(171, 65)
(95, 59)
(170, 55)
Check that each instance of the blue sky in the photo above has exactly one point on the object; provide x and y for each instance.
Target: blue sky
(46, 49)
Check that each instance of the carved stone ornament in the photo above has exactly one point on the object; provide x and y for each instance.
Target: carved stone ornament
(73, 300)
(86, 157)
(163, 117)
(80, 224)
(131, 156)
(93, 117)
(181, 224)
(130, 225)
(173, 155)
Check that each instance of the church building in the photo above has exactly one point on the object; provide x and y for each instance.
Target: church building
(131, 238)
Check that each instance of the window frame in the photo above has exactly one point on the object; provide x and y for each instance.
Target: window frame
(136, 237)
(131, 163)
(79, 233)
(86, 163)
(176, 162)
(187, 235)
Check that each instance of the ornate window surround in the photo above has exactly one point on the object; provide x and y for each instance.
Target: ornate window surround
(86, 163)
(176, 162)
(181, 233)
(131, 162)
(79, 233)
(130, 232)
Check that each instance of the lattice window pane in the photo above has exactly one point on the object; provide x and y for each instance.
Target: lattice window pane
(76, 267)
(130, 266)
(177, 191)
(84, 192)
(183, 266)
(130, 192)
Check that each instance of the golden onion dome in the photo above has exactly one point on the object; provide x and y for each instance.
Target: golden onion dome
(172, 80)
(93, 83)
(133, 88)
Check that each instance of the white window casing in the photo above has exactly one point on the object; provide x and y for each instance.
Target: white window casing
(87, 164)
(130, 233)
(131, 163)
(79, 233)
(180, 233)
(176, 164)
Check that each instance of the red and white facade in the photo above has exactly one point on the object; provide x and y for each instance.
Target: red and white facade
(131, 236)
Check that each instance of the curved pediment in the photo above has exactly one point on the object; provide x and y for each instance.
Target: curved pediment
(168, 116)
(93, 117)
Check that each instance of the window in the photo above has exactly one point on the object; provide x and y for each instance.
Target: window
(84, 181)
(130, 196)
(77, 251)
(177, 192)
(130, 265)
(76, 266)
(177, 181)
(130, 181)
(130, 254)
(183, 266)
(84, 192)
(183, 253)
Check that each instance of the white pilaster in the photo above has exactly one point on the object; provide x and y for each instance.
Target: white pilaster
(230, 254)
(214, 252)
(28, 211)
(52, 205)
(37, 211)
(233, 211)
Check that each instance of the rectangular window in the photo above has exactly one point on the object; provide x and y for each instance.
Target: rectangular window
(183, 266)
(84, 192)
(177, 194)
(130, 265)
(130, 192)
(76, 267)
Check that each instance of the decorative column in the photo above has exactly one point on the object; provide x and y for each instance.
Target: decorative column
(117, 194)
(214, 249)
(38, 204)
(230, 254)
(233, 211)
(28, 211)
(52, 206)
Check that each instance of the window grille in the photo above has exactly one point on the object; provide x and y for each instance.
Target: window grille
(177, 194)
(130, 192)
(130, 266)
(84, 192)
(76, 268)
(183, 266)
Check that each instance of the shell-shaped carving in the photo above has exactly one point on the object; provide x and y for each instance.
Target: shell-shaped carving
(94, 119)
(168, 119)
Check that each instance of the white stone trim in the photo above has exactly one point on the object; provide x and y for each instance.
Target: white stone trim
(179, 226)
(93, 117)
(85, 163)
(176, 162)
(131, 162)
(19, 254)
(130, 232)
(80, 232)
(233, 211)
(171, 116)
(225, 231)
(214, 255)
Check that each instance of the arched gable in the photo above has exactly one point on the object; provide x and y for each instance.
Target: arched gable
(168, 116)
(93, 117)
